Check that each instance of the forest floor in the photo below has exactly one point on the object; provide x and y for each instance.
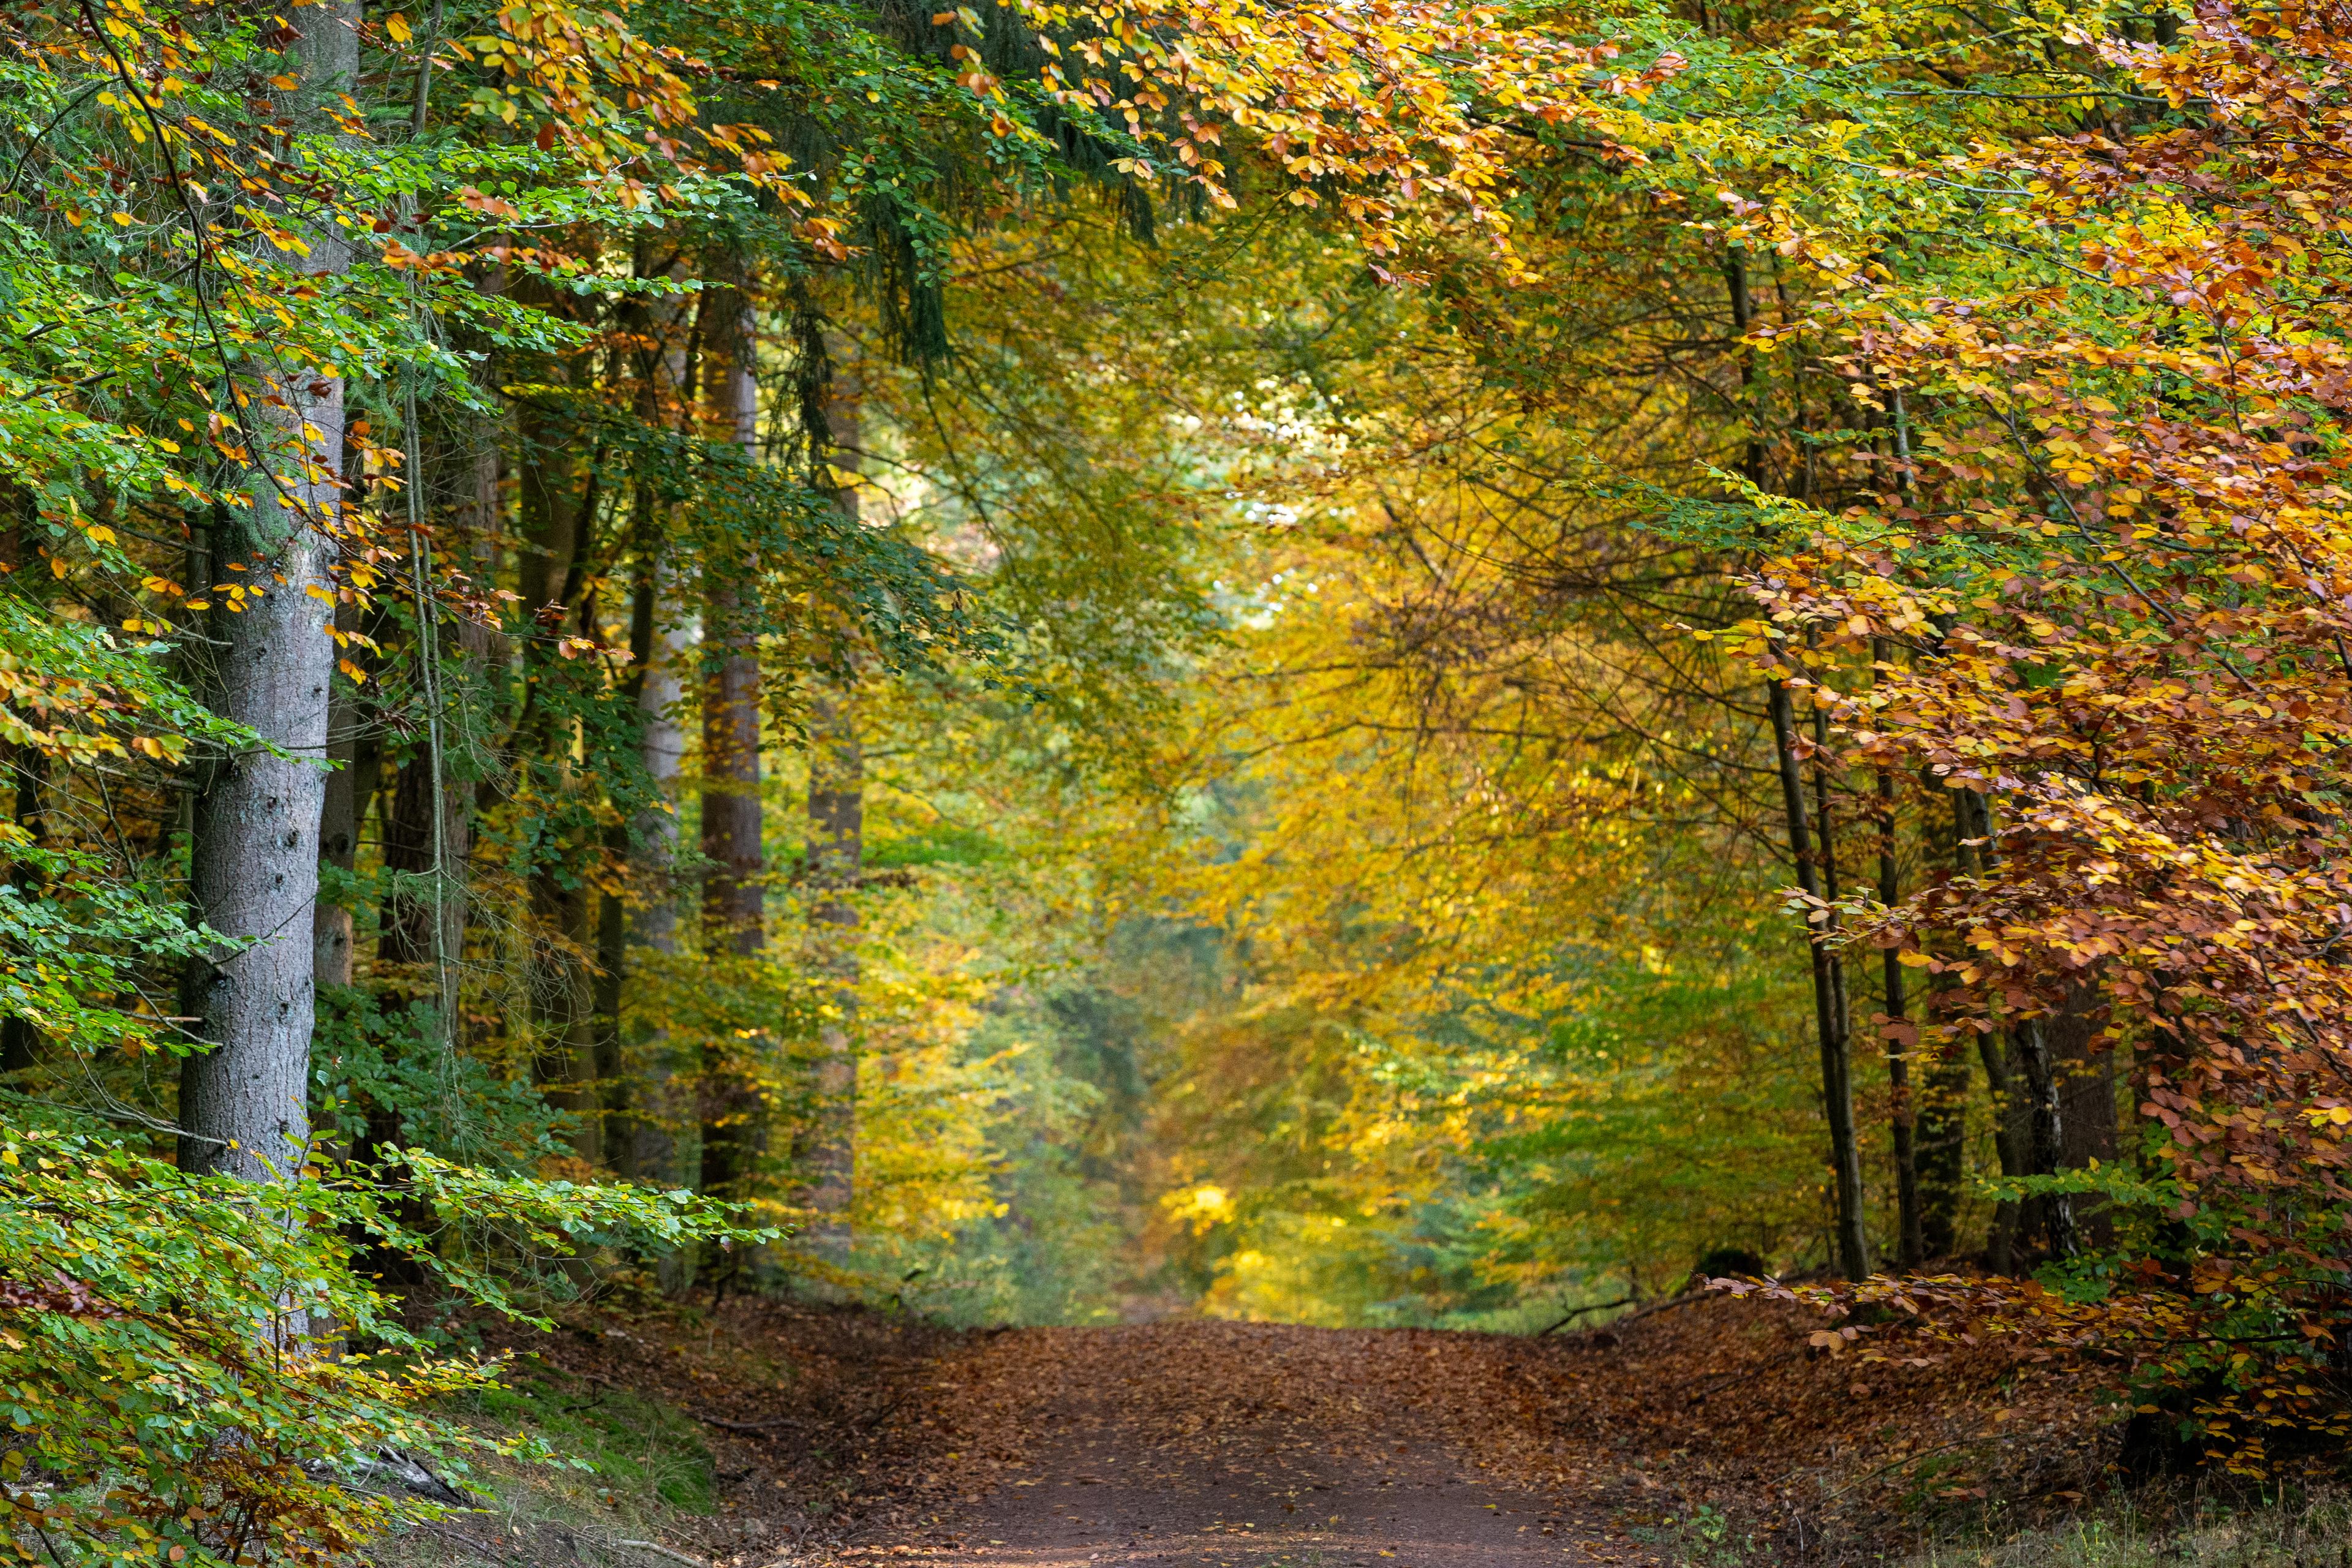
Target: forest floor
(1710, 1433)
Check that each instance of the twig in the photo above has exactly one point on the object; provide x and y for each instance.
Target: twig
(1635, 1316)
(753, 1427)
(1590, 1306)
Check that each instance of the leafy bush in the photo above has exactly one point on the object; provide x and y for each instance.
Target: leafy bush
(192, 1367)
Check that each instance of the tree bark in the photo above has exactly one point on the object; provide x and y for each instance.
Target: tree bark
(654, 1155)
(548, 568)
(1830, 1023)
(1910, 1229)
(254, 870)
(636, 1073)
(19, 1041)
(424, 910)
(1972, 825)
(339, 826)
(734, 900)
(835, 861)
(646, 844)
(1902, 1114)
(837, 852)
(2086, 1092)
(1941, 1143)
(2046, 1133)
(1831, 1016)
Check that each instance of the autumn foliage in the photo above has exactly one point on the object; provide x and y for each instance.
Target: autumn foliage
(1050, 660)
(2107, 590)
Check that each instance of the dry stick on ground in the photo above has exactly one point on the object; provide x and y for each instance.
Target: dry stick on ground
(749, 1429)
(1593, 1307)
(1635, 1316)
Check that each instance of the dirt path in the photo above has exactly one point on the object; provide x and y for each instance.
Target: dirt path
(1232, 1446)
(844, 1437)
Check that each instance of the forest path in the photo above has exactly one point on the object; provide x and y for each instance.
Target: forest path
(1211, 1445)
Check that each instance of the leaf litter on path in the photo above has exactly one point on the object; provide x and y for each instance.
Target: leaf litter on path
(1214, 1445)
(846, 1436)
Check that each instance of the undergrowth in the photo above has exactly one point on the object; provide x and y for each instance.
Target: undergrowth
(2149, 1530)
(2309, 1530)
(623, 1478)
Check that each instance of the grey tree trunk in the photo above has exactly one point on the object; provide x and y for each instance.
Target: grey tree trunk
(654, 1153)
(253, 869)
(1831, 1014)
(639, 1120)
(734, 892)
(837, 852)
(835, 858)
(2031, 1119)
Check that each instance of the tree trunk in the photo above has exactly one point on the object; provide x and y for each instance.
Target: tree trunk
(2086, 1093)
(734, 902)
(635, 1137)
(2046, 1133)
(835, 860)
(28, 776)
(19, 1041)
(1911, 1229)
(1972, 823)
(254, 863)
(654, 1155)
(424, 910)
(563, 998)
(339, 826)
(837, 852)
(1828, 1017)
(1941, 1144)
(638, 1116)
(548, 566)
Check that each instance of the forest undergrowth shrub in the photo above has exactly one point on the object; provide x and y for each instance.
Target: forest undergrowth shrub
(194, 1369)
(2303, 1530)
